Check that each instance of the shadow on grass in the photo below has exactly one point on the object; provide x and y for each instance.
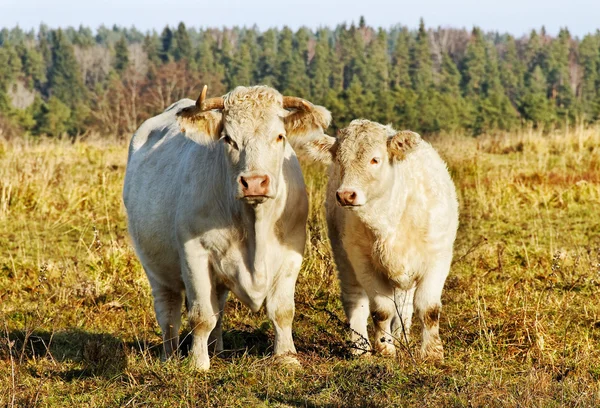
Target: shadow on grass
(102, 354)
(97, 354)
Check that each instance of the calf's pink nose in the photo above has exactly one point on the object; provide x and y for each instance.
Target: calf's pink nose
(255, 185)
(346, 197)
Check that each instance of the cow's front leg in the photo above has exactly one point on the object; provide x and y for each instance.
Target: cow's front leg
(280, 307)
(203, 304)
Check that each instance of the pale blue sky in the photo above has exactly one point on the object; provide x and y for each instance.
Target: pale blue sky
(514, 16)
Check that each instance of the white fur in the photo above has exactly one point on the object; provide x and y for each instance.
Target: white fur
(394, 251)
(194, 235)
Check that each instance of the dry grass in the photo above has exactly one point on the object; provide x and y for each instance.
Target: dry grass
(521, 315)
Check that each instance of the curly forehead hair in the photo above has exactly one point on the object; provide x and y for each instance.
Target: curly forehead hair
(363, 129)
(252, 99)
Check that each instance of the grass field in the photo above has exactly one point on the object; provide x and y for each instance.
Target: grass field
(520, 324)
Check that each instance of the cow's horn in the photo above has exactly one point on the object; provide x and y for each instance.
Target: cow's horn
(295, 103)
(202, 96)
(209, 104)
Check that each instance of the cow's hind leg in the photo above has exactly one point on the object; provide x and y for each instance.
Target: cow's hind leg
(429, 305)
(167, 305)
(280, 307)
(203, 303)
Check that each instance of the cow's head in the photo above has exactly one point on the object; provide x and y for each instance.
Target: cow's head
(252, 125)
(363, 156)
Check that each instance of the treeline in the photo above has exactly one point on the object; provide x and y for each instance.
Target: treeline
(74, 81)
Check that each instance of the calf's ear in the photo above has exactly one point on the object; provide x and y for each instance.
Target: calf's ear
(402, 143)
(322, 148)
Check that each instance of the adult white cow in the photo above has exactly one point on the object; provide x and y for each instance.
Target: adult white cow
(392, 216)
(216, 202)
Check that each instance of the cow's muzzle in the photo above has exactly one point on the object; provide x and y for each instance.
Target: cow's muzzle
(255, 188)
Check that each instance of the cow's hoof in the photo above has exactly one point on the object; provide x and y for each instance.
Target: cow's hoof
(199, 364)
(289, 361)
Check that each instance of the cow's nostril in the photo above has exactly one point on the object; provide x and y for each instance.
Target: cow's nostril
(244, 182)
(265, 182)
(353, 196)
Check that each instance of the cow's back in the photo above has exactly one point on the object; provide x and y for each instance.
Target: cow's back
(158, 154)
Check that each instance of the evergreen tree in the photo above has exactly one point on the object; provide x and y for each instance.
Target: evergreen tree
(589, 58)
(420, 67)
(152, 48)
(34, 67)
(64, 78)
(241, 68)
(378, 77)
(453, 111)
(267, 60)
(53, 118)
(535, 105)
(558, 77)
(66, 83)
(400, 73)
(121, 60)
(284, 58)
(319, 69)
(474, 65)
(512, 72)
(166, 41)
(494, 110)
(182, 46)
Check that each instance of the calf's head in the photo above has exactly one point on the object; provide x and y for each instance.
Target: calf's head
(252, 126)
(363, 155)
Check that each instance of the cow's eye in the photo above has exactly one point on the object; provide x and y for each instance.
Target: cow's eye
(280, 138)
(230, 141)
(375, 160)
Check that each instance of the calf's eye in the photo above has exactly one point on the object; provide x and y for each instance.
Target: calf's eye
(375, 160)
(280, 138)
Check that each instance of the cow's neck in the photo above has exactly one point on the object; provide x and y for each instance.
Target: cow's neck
(259, 224)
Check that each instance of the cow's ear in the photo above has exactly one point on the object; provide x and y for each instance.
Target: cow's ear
(200, 125)
(304, 119)
(204, 120)
(322, 148)
(402, 143)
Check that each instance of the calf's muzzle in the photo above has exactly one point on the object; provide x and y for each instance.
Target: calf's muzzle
(346, 197)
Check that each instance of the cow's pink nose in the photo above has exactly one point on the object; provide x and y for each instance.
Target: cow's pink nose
(346, 197)
(255, 185)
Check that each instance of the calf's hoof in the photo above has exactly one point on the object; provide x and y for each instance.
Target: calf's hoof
(360, 348)
(433, 352)
(385, 346)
